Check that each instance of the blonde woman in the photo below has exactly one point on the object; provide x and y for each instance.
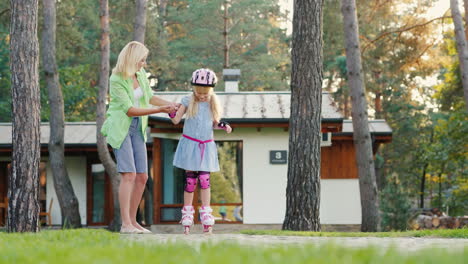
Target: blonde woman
(196, 152)
(125, 128)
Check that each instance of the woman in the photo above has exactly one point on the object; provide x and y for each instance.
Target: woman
(125, 128)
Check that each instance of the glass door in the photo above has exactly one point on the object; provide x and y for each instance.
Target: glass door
(99, 197)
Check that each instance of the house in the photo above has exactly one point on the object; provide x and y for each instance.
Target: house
(251, 185)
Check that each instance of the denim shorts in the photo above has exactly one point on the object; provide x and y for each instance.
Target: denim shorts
(132, 156)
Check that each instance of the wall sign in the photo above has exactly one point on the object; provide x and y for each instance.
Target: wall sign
(278, 157)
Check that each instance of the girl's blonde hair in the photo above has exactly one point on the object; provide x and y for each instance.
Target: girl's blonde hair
(215, 106)
(129, 57)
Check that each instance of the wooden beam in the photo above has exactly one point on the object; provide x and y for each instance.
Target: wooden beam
(326, 127)
(166, 130)
(157, 179)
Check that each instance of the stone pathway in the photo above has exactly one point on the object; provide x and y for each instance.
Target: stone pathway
(403, 244)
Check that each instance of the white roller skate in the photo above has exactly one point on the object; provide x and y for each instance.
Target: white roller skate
(207, 219)
(187, 218)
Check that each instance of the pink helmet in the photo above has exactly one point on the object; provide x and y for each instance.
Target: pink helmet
(204, 77)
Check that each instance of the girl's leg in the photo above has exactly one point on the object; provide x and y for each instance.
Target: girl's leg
(190, 186)
(135, 199)
(188, 198)
(205, 192)
(125, 191)
(205, 195)
(207, 218)
(187, 209)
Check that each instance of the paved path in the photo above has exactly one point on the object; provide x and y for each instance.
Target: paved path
(404, 244)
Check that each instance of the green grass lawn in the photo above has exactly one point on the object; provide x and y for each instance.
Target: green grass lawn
(100, 246)
(442, 233)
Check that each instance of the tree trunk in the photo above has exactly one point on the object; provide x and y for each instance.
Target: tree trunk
(140, 21)
(225, 35)
(361, 135)
(66, 196)
(303, 188)
(23, 191)
(103, 151)
(423, 176)
(378, 105)
(423, 186)
(465, 5)
(462, 48)
(162, 8)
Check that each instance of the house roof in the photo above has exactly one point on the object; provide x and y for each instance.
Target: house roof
(76, 134)
(241, 107)
(376, 127)
(245, 107)
(84, 133)
(79, 133)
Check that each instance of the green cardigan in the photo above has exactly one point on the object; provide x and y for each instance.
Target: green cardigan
(117, 123)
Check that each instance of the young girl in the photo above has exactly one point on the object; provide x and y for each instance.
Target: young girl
(196, 152)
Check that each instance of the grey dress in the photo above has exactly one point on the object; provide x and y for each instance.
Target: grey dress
(188, 155)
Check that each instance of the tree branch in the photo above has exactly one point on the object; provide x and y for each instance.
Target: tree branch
(401, 30)
(4, 11)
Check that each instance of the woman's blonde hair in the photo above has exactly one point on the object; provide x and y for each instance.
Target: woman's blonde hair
(129, 57)
(215, 106)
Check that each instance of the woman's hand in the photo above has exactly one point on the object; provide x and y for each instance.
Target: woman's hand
(170, 108)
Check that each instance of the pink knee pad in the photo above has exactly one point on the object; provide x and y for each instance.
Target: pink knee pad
(190, 181)
(204, 177)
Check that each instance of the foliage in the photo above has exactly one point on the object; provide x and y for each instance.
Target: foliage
(457, 197)
(227, 183)
(448, 158)
(98, 246)
(394, 204)
(177, 39)
(450, 90)
(5, 83)
(257, 46)
(400, 50)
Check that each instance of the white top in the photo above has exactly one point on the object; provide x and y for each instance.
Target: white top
(137, 94)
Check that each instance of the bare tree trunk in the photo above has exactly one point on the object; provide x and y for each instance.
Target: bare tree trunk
(162, 41)
(140, 21)
(23, 191)
(423, 176)
(303, 189)
(465, 5)
(67, 199)
(103, 151)
(361, 135)
(378, 105)
(462, 48)
(423, 186)
(225, 35)
(162, 8)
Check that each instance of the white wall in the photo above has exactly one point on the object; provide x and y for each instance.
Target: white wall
(265, 184)
(340, 202)
(76, 167)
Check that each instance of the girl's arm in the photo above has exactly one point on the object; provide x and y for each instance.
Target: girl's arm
(158, 101)
(135, 111)
(223, 125)
(178, 115)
